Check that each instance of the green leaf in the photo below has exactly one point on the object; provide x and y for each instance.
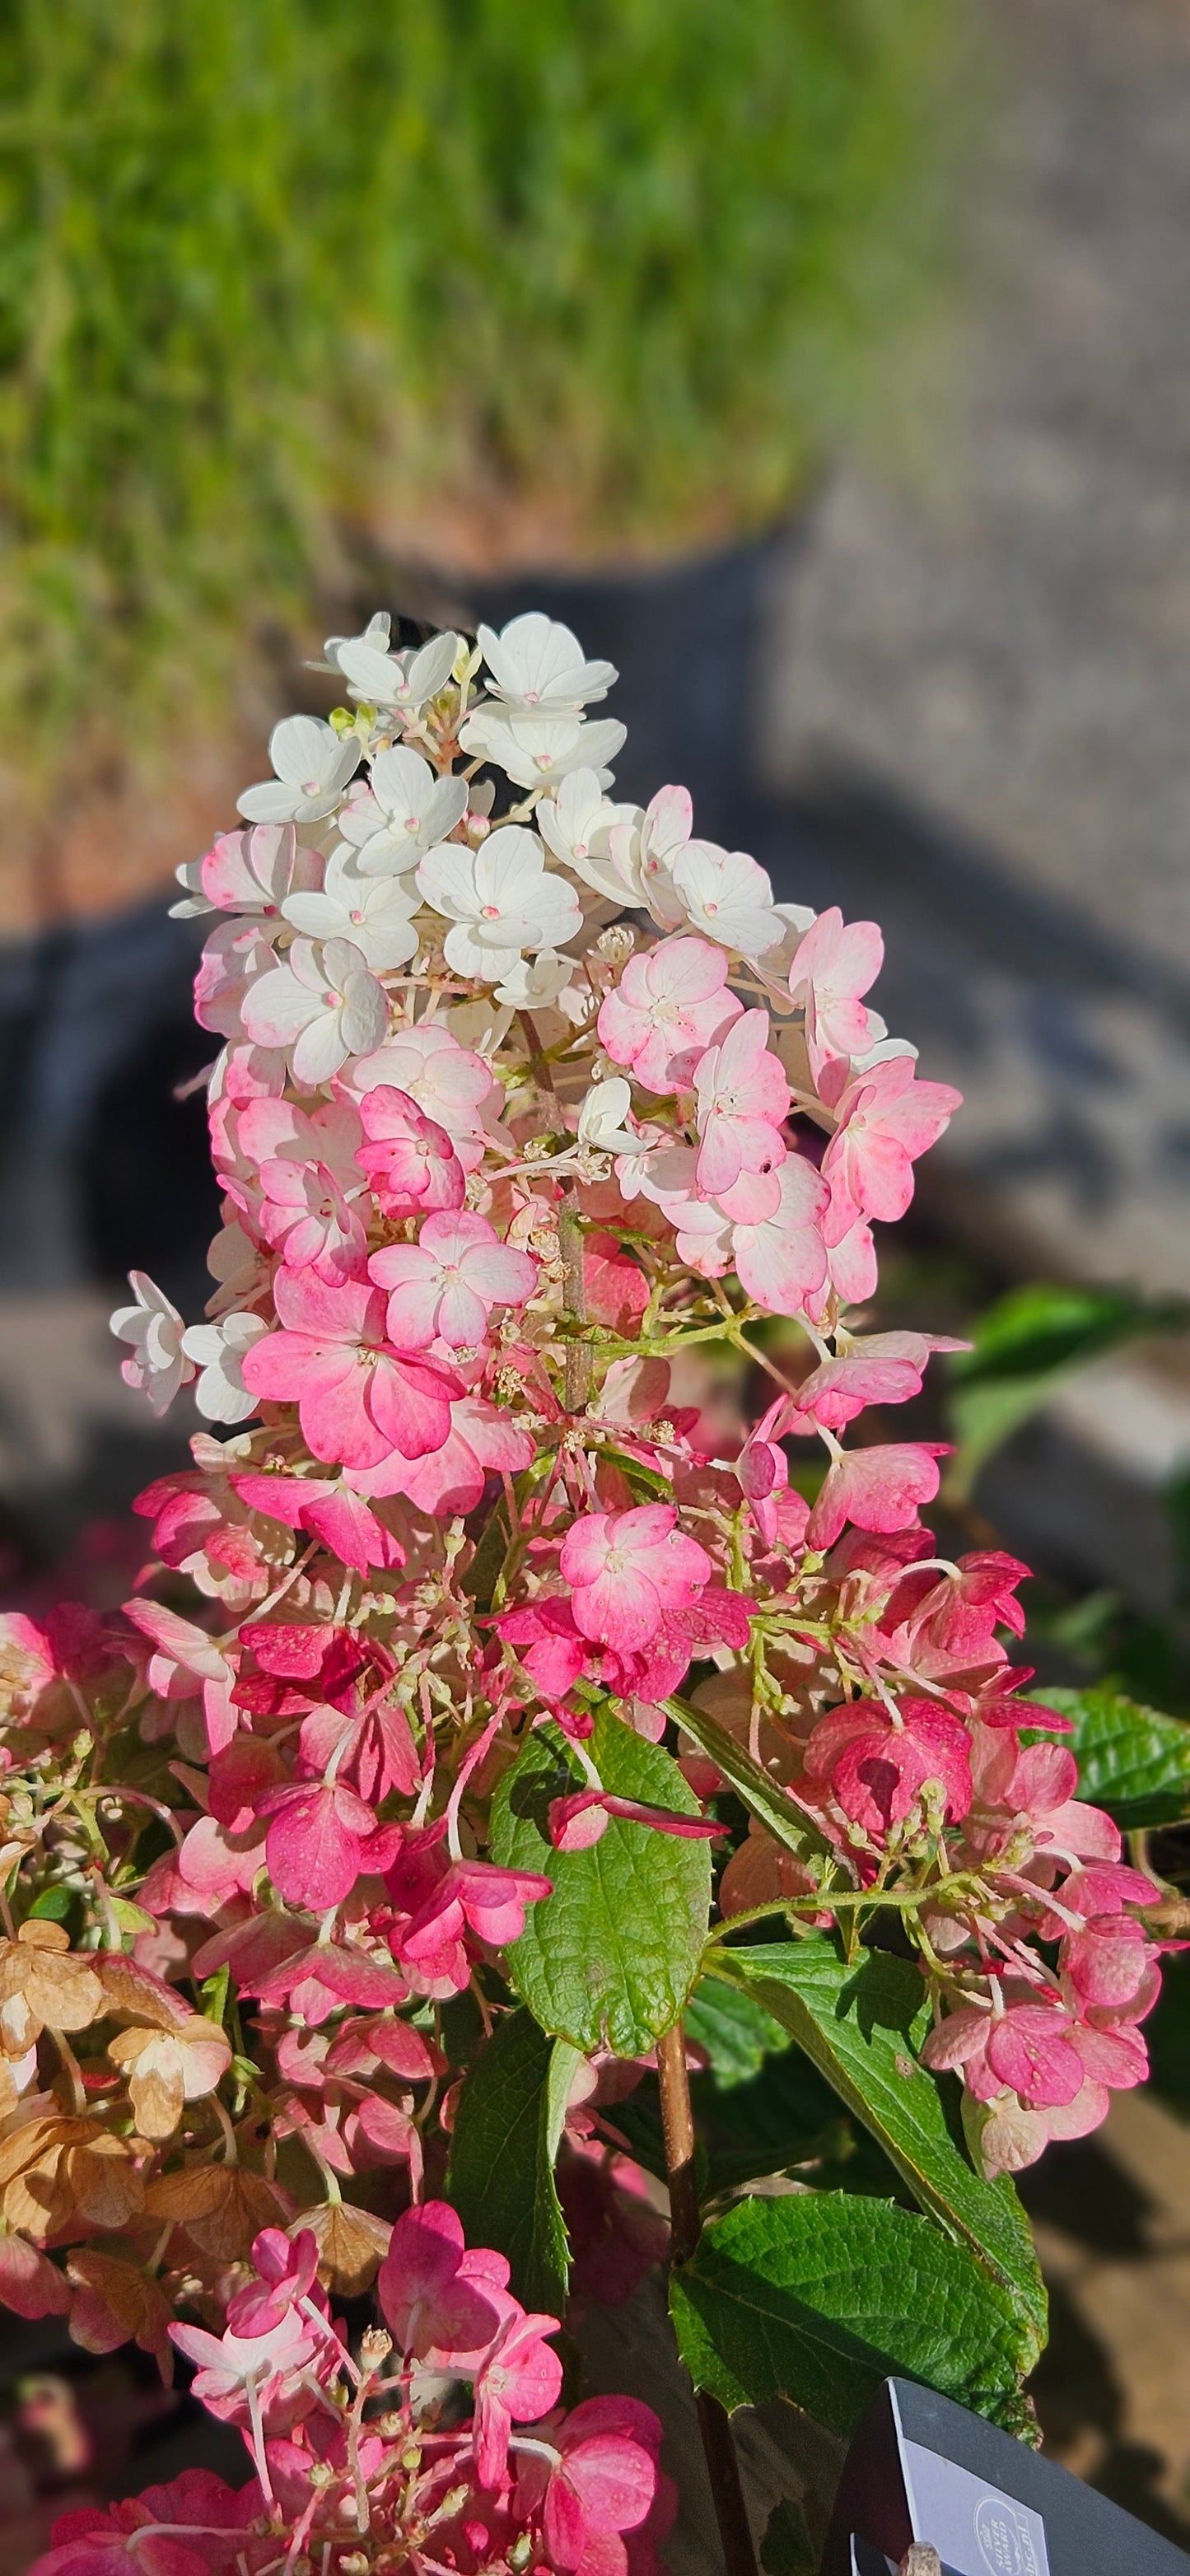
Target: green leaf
(760, 1794)
(1131, 1759)
(787, 2549)
(1026, 1345)
(54, 1905)
(736, 2031)
(131, 1918)
(645, 1481)
(609, 1960)
(818, 2297)
(501, 2178)
(862, 2027)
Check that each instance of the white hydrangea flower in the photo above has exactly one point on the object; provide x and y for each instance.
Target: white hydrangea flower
(538, 667)
(323, 1005)
(728, 897)
(534, 751)
(219, 1350)
(535, 983)
(377, 633)
(601, 1118)
(159, 1364)
(404, 812)
(234, 1261)
(313, 764)
(578, 824)
(884, 1047)
(643, 851)
(406, 682)
(500, 900)
(375, 913)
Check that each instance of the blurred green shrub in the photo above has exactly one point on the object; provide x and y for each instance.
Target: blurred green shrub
(274, 275)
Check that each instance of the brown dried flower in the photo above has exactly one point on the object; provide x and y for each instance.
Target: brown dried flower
(44, 1985)
(55, 2172)
(168, 2068)
(221, 2207)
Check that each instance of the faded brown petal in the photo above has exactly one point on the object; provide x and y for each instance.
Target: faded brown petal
(105, 2183)
(220, 2206)
(116, 2302)
(38, 2203)
(155, 2084)
(27, 2144)
(42, 1981)
(351, 2245)
(132, 1989)
(65, 1993)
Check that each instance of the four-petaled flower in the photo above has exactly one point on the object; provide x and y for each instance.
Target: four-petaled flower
(500, 899)
(626, 1569)
(357, 1397)
(323, 1005)
(313, 764)
(159, 1365)
(444, 1286)
(670, 1005)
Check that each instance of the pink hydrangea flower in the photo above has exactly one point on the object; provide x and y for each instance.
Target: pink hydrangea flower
(607, 2482)
(444, 1286)
(876, 1766)
(885, 1368)
(743, 1100)
(478, 1897)
(450, 1084)
(452, 1478)
(250, 871)
(309, 1181)
(357, 1397)
(409, 1160)
(287, 2270)
(440, 2301)
(670, 1005)
(518, 2382)
(194, 2524)
(833, 965)
(886, 1119)
(876, 1489)
(326, 1510)
(186, 1663)
(244, 2378)
(321, 1838)
(626, 1569)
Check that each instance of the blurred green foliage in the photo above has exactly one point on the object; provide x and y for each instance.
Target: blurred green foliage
(1027, 1345)
(272, 272)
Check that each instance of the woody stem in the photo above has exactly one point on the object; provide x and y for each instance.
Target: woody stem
(574, 1302)
(723, 2471)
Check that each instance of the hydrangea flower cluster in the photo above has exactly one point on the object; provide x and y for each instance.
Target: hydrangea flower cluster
(359, 2463)
(524, 1098)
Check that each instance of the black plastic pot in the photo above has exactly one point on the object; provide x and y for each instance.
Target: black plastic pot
(686, 639)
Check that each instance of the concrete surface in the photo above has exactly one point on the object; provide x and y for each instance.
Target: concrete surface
(981, 673)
